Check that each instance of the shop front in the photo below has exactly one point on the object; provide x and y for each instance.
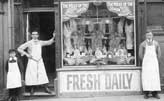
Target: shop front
(97, 47)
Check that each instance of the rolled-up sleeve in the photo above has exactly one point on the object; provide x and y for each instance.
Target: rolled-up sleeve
(22, 48)
(141, 51)
(158, 50)
(48, 42)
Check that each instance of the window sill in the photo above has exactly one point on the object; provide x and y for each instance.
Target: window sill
(101, 67)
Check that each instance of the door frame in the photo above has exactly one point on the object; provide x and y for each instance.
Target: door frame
(26, 12)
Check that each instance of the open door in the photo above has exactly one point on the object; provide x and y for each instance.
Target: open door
(44, 23)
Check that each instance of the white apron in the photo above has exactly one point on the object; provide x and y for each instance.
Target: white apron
(150, 70)
(35, 72)
(13, 76)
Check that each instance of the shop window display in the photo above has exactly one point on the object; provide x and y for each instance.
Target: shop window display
(98, 33)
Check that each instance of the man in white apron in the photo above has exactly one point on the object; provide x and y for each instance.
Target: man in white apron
(35, 71)
(150, 53)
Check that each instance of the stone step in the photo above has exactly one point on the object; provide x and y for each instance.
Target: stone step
(37, 94)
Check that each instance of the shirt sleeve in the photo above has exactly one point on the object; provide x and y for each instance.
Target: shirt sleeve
(158, 50)
(141, 50)
(48, 42)
(22, 48)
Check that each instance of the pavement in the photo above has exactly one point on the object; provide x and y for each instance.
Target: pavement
(107, 98)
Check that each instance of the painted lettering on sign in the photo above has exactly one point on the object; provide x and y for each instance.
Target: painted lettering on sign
(99, 81)
(118, 81)
(83, 82)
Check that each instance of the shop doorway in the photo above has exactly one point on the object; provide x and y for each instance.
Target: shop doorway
(44, 23)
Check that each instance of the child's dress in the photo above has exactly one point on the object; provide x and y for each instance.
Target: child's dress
(13, 74)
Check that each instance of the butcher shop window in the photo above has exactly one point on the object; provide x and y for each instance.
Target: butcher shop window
(98, 33)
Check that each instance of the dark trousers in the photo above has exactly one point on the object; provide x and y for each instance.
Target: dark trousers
(35, 86)
(154, 93)
(14, 94)
(146, 92)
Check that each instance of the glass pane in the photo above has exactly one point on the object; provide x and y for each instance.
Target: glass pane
(98, 33)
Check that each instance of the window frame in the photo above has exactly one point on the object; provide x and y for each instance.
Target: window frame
(95, 66)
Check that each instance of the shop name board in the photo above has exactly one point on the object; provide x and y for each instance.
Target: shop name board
(92, 81)
(100, 81)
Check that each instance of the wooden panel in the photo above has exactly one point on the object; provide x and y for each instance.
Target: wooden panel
(152, 1)
(155, 14)
(58, 37)
(141, 23)
(1, 51)
(162, 63)
(160, 39)
(7, 37)
(3, 31)
(39, 9)
(38, 3)
(138, 30)
(18, 25)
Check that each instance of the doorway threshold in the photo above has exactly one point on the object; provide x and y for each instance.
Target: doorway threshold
(39, 94)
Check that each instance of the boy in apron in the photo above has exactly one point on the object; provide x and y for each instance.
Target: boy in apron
(35, 71)
(150, 53)
(14, 68)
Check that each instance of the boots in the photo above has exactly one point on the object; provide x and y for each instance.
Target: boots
(146, 95)
(13, 98)
(32, 91)
(47, 90)
(155, 95)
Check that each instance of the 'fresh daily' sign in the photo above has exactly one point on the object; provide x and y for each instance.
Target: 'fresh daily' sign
(99, 81)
